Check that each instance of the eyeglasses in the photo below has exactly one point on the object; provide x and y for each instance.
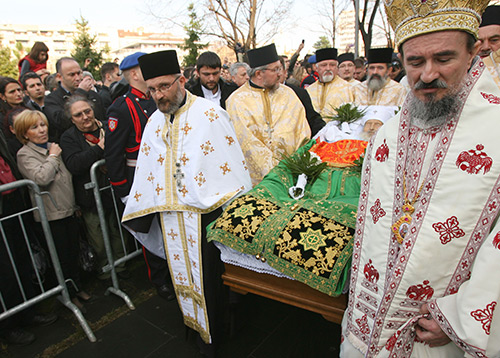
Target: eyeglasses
(276, 70)
(80, 114)
(163, 88)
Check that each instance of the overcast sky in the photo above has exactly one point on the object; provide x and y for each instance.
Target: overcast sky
(130, 14)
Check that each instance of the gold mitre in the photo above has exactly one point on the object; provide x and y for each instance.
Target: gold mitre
(410, 18)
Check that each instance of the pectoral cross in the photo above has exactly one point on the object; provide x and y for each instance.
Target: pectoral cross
(179, 175)
(269, 131)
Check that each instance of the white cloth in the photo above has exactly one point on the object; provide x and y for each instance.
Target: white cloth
(184, 169)
(449, 258)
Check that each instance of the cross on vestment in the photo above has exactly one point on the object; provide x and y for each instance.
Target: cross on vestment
(179, 175)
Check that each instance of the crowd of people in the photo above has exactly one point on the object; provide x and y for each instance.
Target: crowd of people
(180, 144)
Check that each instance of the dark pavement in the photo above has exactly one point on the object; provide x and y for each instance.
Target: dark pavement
(263, 328)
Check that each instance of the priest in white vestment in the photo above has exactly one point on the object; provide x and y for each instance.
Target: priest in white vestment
(189, 165)
(425, 279)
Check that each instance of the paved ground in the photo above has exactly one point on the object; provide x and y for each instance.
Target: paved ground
(264, 328)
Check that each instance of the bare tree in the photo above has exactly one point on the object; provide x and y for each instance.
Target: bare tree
(367, 20)
(329, 11)
(245, 23)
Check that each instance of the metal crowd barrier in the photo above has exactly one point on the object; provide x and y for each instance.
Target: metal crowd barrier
(61, 287)
(112, 261)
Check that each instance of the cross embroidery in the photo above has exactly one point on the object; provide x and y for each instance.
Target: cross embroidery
(137, 196)
(172, 234)
(158, 189)
(191, 240)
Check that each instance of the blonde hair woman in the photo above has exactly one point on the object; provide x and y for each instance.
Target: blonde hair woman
(40, 161)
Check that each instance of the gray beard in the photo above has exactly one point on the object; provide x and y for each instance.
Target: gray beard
(175, 105)
(433, 113)
(375, 83)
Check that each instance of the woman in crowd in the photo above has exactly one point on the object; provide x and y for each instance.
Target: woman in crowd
(11, 96)
(82, 145)
(41, 162)
(35, 61)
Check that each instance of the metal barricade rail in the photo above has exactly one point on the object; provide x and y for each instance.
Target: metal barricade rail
(61, 287)
(112, 261)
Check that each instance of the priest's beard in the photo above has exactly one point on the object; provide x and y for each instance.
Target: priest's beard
(433, 113)
(376, 82)
(168, 106)
(327, 77)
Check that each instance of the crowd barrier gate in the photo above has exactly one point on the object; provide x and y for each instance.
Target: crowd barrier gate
(61, 287)
(112, 262)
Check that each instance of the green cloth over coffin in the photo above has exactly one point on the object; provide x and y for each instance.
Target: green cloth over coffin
(309, 239)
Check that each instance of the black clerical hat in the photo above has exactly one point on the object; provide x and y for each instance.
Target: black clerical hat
(329, 53)
(380, 55)
(491, 16)
(349, 56)
(262, 56)
(159, 64)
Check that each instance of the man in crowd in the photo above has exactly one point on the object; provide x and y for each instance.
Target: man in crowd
(269, 119)
(489, 31)
(189, 165)
(360, 70)
(70, 78)
(110, 73)
(489, 36)
(396, 70)
(127, 118)
(34, 90)
(239, 73)
(379, 89)
(209, 83)
(426, 256)
(310, 65)
(347, 67)
(330, 91)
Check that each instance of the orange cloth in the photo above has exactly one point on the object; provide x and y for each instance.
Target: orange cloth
(342, 153)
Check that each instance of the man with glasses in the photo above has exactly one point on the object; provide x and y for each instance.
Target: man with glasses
(269, 119)
(189, 165)
(127, 118)
(209, 83)
(330, 91)
(71, 81)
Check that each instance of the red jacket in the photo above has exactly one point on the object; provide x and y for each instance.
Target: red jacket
(34, 66)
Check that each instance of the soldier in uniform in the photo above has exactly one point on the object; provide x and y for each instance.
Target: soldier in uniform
(127, 118)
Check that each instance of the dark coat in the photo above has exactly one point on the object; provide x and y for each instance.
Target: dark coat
(128, 114)
(313, 118)
(54, 110)
(226, 90)
(78, 156)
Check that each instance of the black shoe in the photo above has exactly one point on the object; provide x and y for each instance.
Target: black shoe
(44, 319)
(166, 292)
(19, 337)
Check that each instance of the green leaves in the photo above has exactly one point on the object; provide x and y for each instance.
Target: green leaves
(305, 163)
(347, 113)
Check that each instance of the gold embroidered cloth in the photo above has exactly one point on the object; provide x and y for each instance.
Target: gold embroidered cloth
(392, 94)
(309, 239)
(268, 124)
(326, 97)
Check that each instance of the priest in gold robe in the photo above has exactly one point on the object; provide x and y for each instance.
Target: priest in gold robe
(379, 89)
(268, 118)
(330, 91)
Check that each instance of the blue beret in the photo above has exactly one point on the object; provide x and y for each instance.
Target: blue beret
(131, 61)
(312, 59)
